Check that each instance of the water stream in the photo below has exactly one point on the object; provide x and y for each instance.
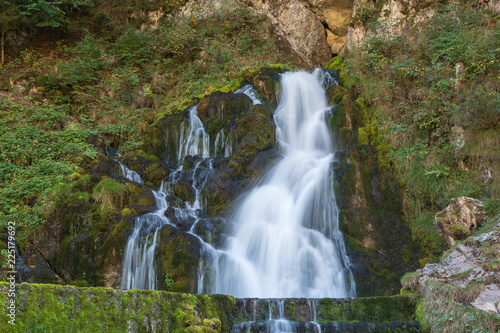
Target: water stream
(286, 241)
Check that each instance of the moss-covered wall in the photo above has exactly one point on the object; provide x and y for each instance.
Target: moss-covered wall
(55, 308)
(59, 309)
(369, 196)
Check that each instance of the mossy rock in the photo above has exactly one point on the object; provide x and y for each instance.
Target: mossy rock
(156, 173)
(45, 307)
(140, 195)
(222, 106)
(214, 125)
(164, 135)
(108, 167)
(136, 210)
(210, 230)
(370, 199)
(267, 84)
(185, 191)
(179, 256)
(335, 94)
(263, 111)
(35, 269)
(254, 134)
(111, 193)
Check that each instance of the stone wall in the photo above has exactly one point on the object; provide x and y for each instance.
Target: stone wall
(55, 308)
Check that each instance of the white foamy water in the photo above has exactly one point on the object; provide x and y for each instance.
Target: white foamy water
(285, 241)
(193, 140)
(139, 271)
(250, 92)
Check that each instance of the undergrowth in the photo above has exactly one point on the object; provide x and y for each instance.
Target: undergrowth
(95, 83)
(433, 96)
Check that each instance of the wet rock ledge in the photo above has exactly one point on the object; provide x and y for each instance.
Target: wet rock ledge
(47, 307)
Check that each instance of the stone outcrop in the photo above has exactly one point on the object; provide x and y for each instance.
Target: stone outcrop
(335, 15)
(311, 29)
(477, 260)
(392, 18)
(298, 27)
(460, 219)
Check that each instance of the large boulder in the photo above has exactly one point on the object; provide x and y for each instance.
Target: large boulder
(301, 30)
(179, 254)
(460, 219)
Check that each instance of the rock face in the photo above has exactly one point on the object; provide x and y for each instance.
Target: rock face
(335, 15)
(301, 30)
(370, 202)
(477, 260)
(390, 19)
(460, 219)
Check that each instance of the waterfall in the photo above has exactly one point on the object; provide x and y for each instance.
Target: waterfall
(194, 140)
(138, 267)
(285, 241)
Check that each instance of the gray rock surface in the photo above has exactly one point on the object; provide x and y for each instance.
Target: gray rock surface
(474, 260)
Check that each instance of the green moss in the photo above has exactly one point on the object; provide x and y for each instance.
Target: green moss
(181, 191)
(179, 259)
(149, 157)
(70, 309)
(214, 125)
(333, 310)
(461, 232)
(382, 309)
(290, 311)
(335, 63)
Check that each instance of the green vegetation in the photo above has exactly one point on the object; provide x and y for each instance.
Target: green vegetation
(52, 308)
(98, 84)
(109, 193)
(432, 103)
(169, 283)
(110, 310)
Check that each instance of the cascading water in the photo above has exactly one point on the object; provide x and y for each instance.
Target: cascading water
(285, 241)
(194, 140)
(249, 91)
(138, 266)
(139, 271)
(130, 174)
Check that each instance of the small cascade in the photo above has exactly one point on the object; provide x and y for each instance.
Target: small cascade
(222, 145)
(193, 140)
(138, 267)
(250, 92)
(281, 324)
(130, 174)
(219, 142)
(274, 316)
